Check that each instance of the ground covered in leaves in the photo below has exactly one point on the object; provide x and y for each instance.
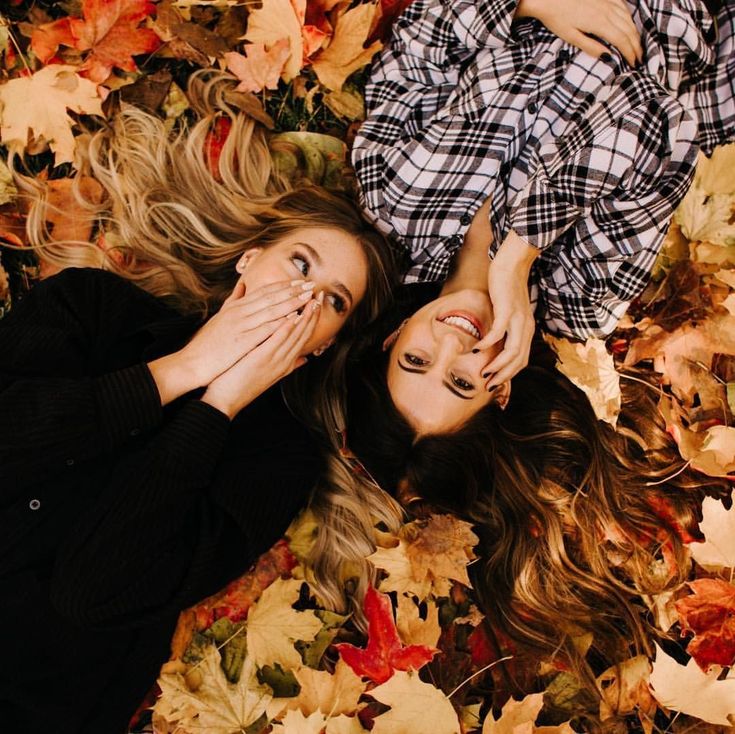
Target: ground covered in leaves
(265, 655)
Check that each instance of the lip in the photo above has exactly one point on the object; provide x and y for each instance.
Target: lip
(464, 315)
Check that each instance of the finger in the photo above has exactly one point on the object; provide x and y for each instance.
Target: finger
(303, 332)
(293, 305)
(493, 336)
(587, 44)
(627, 25)
(255, 337)
(624, 38)
(514, 345)
(257, 301)
(505, 373)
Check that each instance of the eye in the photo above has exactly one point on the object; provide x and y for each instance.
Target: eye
(414, 360)
(461, 384)
(337, 302)
(301, 263)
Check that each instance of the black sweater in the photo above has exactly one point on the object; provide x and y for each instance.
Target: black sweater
(115, 513)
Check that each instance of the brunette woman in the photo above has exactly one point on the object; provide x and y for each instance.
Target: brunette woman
(147, 452)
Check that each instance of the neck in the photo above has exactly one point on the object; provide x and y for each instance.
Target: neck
(472, 261)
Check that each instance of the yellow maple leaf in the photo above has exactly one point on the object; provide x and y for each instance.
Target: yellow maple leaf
(591, 368)
(624, 689)
(333, 693)
(396, 564)
(274, 21)
(718, 528)
(414, 706)
(273, 625)
(294, 722)
(519, 716)
(217, 706)
(412, 629)
(345, 725)
(258, 69)
(346, 52)
(37, 105)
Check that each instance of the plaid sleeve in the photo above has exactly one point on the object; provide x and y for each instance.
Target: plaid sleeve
(625, 165)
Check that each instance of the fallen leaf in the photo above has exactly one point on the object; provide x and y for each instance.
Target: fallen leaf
(716, 174)
(414, 630)
(710, 614)
(7, 188)
(415, 707)
(347, 104)
(273, 626)
(68, 219)
(295, 722)
(108, 30)
(718, 528)
(591, 368)
(258, 69)
(705, 217)
(514, 714)
(395, 562)
(217, 706)
(37, 105)
(277, 20)
(334, 693)
(624, 689)
(346, 53)
(687, 689)
(344, 725)
(384, 652)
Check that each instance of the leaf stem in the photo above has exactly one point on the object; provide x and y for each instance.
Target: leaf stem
(481, 670)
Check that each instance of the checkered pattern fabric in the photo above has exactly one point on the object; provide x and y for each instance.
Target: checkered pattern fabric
(585, 159)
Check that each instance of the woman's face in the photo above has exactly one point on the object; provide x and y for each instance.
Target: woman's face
(332, 259)
(434, 378)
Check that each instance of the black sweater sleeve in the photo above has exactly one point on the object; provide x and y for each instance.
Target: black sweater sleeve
(51, 417)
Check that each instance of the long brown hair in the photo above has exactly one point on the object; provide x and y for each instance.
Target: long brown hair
(576, 520)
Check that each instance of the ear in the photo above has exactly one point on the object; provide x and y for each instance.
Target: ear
(323, 347)
(501, 395)
(390, 340)
(246, 258)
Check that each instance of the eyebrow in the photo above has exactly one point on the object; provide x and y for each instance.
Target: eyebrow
(448, 385)
(337, 285)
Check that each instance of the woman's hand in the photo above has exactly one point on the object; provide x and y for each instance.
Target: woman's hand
(244, 321)
(265, 365)
(574, 21)
(513, 317)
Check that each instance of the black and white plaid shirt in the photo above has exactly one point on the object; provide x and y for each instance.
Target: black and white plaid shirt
(583, 158)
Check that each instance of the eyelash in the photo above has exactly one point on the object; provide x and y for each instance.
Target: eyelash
(412, 359)
(336, 301)
(461, 384)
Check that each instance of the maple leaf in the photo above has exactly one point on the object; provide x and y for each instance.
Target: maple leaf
(414, 630)
(624, 689)
(716, 174)
(344, 725)
(258, 69)
(346, 53)
(395, 562)
(384, 653)
(295, 722)
(710, 614)
(108, 30)
(217, 706)
(518, 717)
(37, 105)
(275, 21)
(591, 368)
(273, 626)
(415, 706)
(334, 693)
(8, 191)
(718, 528)
(687, 689)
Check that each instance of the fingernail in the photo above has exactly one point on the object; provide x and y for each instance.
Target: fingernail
(492, 387)
(486, 374)
(607, 58)
(475, 350)
(305, 296)
(320, 297)
(308, 286)
(316, 305)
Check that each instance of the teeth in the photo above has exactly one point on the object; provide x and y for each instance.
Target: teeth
(463, 324)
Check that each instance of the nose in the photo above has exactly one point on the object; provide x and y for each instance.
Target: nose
(449, 346)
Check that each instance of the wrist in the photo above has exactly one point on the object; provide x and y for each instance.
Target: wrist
(515, 254)
(529, 9)
(220, 402)
(174, 375)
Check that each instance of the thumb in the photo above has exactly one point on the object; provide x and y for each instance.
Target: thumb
(493, 336)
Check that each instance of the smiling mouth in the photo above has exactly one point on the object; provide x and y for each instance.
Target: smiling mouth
(465, 322)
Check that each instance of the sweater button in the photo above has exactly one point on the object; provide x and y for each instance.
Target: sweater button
(454, 240)
(70, 462)
(34, 504)
(465, 219)
(533, 108)
(135, 432)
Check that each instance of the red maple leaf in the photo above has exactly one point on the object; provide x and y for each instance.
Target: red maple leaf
(109, 31)
(710, 614)
(384, 653)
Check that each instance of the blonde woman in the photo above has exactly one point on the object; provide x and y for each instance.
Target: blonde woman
(147, 452)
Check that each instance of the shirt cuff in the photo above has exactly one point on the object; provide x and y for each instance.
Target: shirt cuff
(128, 404)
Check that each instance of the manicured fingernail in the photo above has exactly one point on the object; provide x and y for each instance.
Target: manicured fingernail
(607, 58)
(305, 296)
(475, 350)
(486, 374)
(492, 388)
(316, 305)
(320, 297)
(308, 286)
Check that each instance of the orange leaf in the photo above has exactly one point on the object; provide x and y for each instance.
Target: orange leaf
(259, 69)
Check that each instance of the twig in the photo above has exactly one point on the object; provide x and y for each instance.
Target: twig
(481, 670)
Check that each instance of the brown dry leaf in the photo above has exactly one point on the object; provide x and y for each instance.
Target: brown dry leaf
(704, 216)
(590, 367)
(624, 689)
(258, 69)
(440, 549)
(274, 21)
(718, 528)
(687, 689)
(273, 626)
(333, 693)
(67, 219)
(7, 188)
(716, 174)
(415, 707)
(412, 629)
(294, 722)
(37, 106)
(217, 706)
(518, 717)
(346, 53)
(347, 104)
(397, 565)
